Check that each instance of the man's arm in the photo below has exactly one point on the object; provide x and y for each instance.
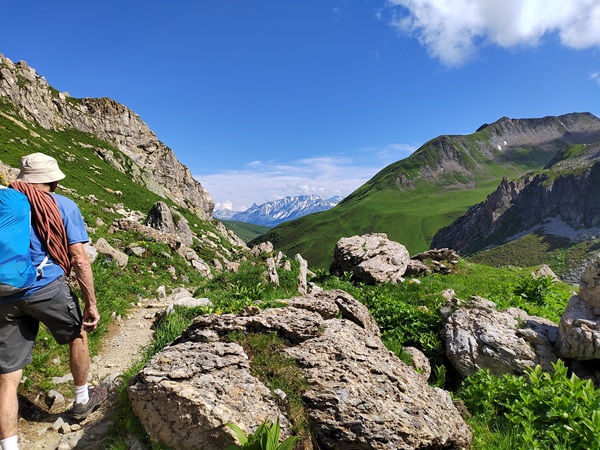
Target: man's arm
(85, 278)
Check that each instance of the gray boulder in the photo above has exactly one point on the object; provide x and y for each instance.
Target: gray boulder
(302, 274)
(478, 336)
(188, 392)
(371, 258)
(579, 329)
(264, 248)
(161, 219)
(182, 229)
(195, 261)
(360, 396)
(120, 258)
(271, 274)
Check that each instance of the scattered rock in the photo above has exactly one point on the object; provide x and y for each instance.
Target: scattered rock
(120, 258)
(302, 286)
(272, 276)
(545, 271)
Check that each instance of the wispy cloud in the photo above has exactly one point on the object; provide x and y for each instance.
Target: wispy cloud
(595, 76)
(262, 181)
(453, 30)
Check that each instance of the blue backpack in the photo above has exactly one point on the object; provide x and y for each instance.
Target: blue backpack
(16, 269)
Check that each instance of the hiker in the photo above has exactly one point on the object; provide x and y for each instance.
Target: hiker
(57, 221)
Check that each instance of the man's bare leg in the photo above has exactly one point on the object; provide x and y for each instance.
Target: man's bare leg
(80, 366)
(9, 403)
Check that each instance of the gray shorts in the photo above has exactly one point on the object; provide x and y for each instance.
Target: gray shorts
(55, 305)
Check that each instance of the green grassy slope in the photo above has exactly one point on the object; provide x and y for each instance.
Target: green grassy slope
(410, 200)
(90, 175)
(87, 173)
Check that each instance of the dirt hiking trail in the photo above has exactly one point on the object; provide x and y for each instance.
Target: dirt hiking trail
(44, 428)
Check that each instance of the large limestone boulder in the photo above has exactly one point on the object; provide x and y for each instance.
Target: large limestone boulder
(179, 395)
(478, 336)
(160, 217)
(371, 258)
(579, 329)
(360, 396)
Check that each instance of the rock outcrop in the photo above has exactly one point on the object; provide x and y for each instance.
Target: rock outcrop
(359, 394)
(478, 336)
(373, 258)
(161, 218)
(151, 163)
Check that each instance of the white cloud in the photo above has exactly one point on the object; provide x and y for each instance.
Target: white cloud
(263, 181)
(595, 76)
(453, 30)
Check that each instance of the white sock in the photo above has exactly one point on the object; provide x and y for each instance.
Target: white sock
(81, 394)
(10, 443)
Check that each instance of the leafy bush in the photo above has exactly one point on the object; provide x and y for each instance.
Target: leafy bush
(534, 289)
(548, 410)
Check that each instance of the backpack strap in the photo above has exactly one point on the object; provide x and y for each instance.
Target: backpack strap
(39, 270)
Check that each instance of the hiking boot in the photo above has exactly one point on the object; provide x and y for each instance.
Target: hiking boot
(81, 410)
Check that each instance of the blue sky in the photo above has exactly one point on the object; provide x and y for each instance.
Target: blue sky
(267, 98)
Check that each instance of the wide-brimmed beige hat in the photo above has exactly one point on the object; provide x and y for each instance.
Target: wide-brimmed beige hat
(39, 168)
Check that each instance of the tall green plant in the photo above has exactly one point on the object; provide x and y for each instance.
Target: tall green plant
(534, 289)
(266, 437)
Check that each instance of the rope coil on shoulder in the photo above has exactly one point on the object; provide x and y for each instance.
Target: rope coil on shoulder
(48, 223)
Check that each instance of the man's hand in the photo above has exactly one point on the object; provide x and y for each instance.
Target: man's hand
(91, 317)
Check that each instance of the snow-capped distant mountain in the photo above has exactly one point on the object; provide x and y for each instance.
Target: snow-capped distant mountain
(224, 214)
(273, 213)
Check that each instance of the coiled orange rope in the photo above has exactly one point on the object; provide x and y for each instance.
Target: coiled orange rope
(48, 223)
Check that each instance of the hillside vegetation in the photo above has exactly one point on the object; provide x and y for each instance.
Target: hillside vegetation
(246, 231)
(410, 200)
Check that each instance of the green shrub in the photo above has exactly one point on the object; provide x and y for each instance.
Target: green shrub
(534, 289)
(547, 410)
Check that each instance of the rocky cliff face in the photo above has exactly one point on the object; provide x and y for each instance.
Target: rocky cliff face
(157, 166)
(561, 199)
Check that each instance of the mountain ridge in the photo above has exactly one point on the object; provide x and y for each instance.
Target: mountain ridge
(562, 196)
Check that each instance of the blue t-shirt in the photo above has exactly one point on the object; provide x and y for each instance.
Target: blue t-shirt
(76, 233)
